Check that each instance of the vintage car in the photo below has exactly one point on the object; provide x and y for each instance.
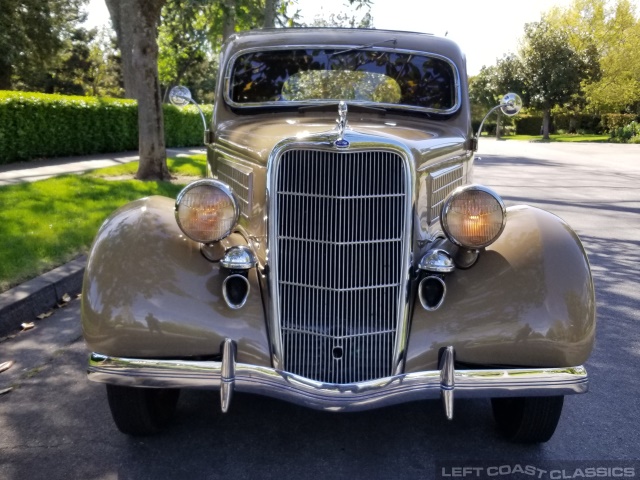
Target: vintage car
(338, 255)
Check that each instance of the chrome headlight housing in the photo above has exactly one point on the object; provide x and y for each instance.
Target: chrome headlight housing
(473, 216)
(206, 211)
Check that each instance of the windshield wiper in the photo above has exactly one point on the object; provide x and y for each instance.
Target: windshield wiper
(353, 107)
(376, 44)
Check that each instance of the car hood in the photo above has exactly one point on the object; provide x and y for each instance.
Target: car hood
(255, 138)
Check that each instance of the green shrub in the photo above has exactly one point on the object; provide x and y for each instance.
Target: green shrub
(577, 122)
(528, 124)
(612, 121)
(628, 133)
(34, 125)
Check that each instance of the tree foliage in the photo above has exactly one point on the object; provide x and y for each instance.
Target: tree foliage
(553, 71)
(491, 84)
(69, 72)
(607, 36)
(582, 58)
(191, 33)
(32, 34)
(43, 47)
(184, 42)
(105, 65)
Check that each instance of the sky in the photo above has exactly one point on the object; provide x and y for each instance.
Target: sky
(485, 29)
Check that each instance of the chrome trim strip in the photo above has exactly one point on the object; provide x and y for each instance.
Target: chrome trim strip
(456, 73)
(339, 397)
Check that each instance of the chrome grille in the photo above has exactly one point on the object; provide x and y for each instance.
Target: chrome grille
(443, 182)
(339, 270)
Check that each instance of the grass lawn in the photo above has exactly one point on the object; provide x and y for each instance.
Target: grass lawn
(47, 223)
(560, 138)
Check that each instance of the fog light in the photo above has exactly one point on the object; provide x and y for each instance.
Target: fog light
(473, 216)
(206, 211)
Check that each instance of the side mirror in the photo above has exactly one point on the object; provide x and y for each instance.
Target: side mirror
(181, 96)
(510, 105)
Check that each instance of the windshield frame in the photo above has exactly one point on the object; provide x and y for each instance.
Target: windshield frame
(350, 47)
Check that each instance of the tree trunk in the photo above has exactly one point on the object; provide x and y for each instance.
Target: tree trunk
(122, 19)
(229, 19)
(135, 23)
(498, 123)
(153, 153)
(270, 13)
(546, 123)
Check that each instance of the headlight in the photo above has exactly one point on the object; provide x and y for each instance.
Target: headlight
(473, 216)
(206, 211)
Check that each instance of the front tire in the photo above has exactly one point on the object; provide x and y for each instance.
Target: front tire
(141, 411)
(527, 419)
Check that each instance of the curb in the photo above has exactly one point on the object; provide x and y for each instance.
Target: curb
(24, 302)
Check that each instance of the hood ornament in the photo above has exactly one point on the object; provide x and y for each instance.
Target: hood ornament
(342, 125)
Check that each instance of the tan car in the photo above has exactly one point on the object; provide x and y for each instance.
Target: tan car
(338, 255)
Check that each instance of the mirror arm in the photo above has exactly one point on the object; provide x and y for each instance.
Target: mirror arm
(483, 120)
(510, 101)
(204, 121)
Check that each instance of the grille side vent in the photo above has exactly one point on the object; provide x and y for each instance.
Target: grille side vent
(442, 183)
(240, 179)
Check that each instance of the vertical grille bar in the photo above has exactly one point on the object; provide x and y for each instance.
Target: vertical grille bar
(339, 273)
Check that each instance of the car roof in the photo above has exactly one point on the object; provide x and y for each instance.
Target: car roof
(345, 37)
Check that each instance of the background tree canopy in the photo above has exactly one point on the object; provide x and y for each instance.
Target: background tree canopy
(34, 35)
(575, 60)
(581, 59)
(155, 44)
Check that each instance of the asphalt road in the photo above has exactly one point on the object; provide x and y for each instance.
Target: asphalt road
(55, 424)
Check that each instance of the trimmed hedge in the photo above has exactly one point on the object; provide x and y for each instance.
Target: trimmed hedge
(570, 123)
(35, 125)
(528, 124)
(577, 122)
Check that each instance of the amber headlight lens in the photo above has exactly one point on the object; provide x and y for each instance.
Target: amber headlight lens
(473, 216)
(206, 211)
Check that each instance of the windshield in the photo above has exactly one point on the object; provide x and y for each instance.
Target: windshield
(309, 76)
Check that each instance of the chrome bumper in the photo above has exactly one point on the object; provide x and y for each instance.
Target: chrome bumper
(227, 376)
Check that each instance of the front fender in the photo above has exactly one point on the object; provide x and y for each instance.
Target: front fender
(149, 293)
(528, 301)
